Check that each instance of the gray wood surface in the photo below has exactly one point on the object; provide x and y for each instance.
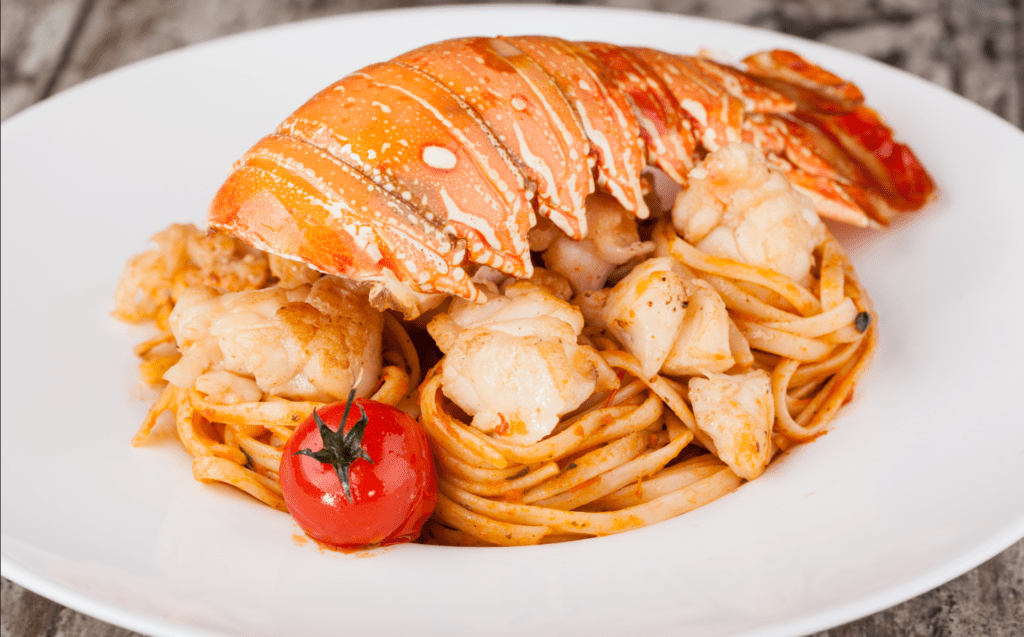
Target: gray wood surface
(975, 48)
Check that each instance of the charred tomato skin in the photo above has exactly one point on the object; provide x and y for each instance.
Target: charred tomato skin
(392, 496)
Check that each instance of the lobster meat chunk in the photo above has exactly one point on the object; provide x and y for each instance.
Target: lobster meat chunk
(408, 175)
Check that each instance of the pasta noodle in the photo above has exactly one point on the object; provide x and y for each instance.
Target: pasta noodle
(236, 443)
(614, 467)
(624, 458)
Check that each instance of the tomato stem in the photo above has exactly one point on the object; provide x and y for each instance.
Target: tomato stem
(341, 449)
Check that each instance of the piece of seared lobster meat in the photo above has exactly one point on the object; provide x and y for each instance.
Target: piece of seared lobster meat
(408, 174)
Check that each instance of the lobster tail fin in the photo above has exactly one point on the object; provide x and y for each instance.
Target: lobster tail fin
(835, 107)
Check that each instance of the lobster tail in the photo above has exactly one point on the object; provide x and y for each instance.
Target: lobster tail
(416, 139)
(664, 129)
(605, 114)
(407, 175)
(291, 198)
(528, 113)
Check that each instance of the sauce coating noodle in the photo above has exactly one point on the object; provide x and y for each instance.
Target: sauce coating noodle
(635, 452)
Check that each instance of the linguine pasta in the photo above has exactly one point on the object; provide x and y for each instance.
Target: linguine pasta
(633, 453)
(635, 456)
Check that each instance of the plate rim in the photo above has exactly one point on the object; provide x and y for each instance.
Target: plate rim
(884, 598)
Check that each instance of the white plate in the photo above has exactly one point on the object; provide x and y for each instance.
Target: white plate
(921, 479)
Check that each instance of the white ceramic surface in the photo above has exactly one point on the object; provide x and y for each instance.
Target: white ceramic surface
(921, 479)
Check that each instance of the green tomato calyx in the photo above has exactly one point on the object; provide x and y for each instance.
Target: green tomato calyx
(341, 449)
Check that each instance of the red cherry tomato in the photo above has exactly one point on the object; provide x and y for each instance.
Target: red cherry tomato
(391, 481)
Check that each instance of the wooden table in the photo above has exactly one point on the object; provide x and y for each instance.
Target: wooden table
(973, 47)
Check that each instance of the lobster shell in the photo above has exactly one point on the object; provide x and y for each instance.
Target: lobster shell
(405, 173)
